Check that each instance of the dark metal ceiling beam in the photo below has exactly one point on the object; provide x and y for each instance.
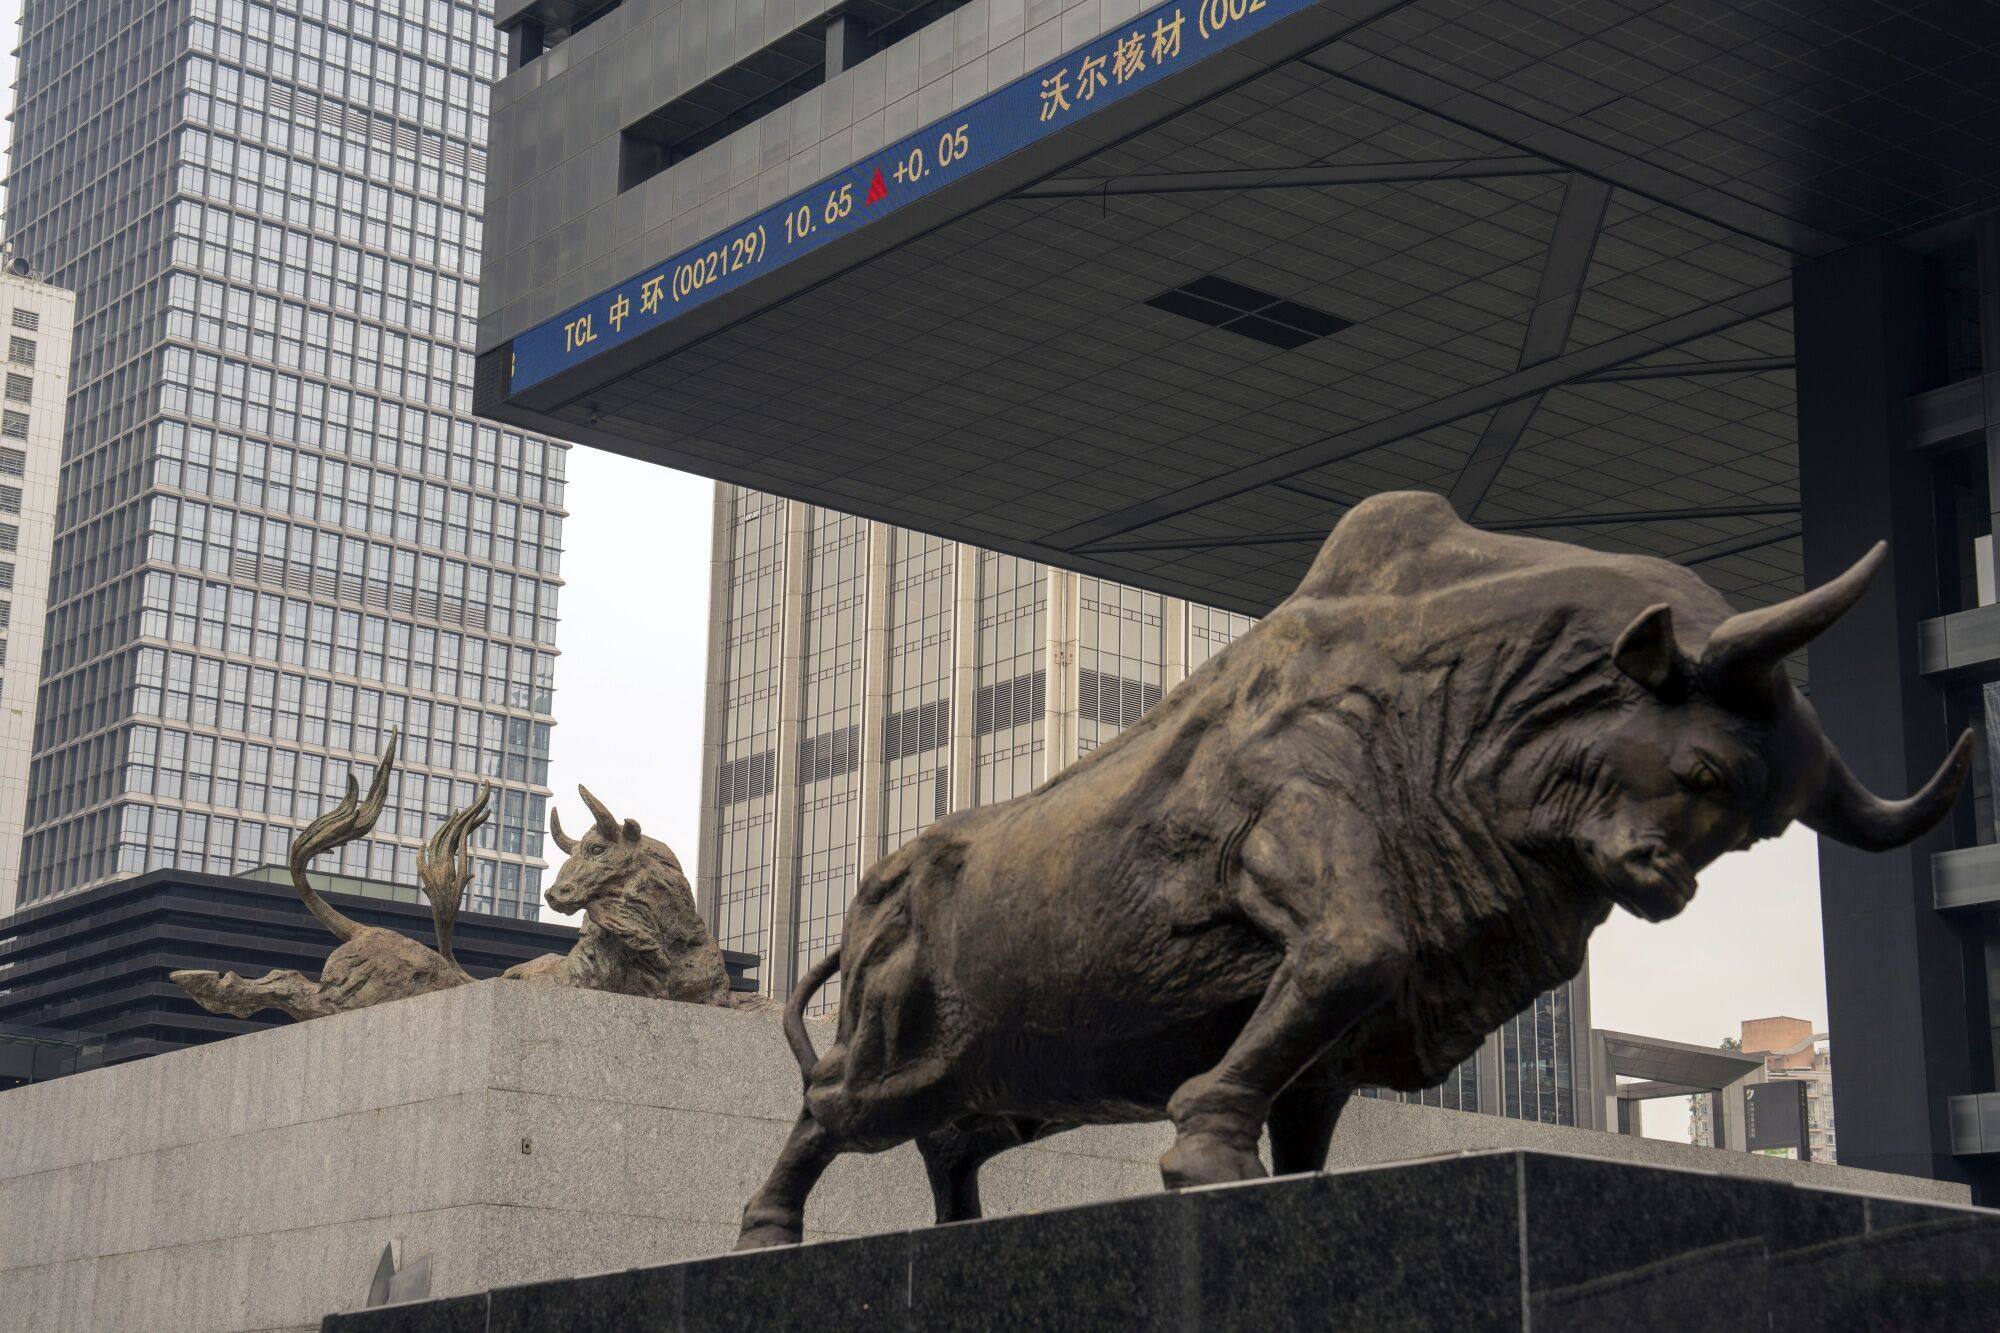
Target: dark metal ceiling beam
(1640, 516)
(1502, 525)
(1740, 547)
(1471, 401)
(1288, 178)
(1564, 269)
(1748, 365)
(1525, 133)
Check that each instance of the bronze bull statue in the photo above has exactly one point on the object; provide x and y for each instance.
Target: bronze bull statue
(1337, 856)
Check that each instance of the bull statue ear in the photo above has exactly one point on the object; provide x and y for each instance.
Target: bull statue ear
(631, 830)
(1649, 654)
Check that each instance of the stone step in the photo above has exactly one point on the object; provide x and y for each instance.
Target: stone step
(1490, 1240)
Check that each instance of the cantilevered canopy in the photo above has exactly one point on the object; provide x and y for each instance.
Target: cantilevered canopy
(1543, 259)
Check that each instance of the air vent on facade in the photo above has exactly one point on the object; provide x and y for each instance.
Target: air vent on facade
(1103, 697)
(743, 779)
(1009, 703)
(1230, 305)
(916, 730)
(830, 754)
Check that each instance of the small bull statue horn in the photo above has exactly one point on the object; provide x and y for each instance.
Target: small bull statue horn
(606, 822)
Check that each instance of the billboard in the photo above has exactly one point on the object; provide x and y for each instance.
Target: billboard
(1774, 1118)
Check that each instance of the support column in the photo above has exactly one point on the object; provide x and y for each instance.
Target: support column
(965, 671)
(1174, 630)
(1063, 591)
(1986, 234)
(715, 698)
(1486, 1068)
(779, 971)
(874, 698)
(1583, 1075)
(1895, 971)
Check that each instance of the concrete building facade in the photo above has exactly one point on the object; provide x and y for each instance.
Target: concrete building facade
(39, 318)
(281, 532)
(1789, 1049)
(865, 680)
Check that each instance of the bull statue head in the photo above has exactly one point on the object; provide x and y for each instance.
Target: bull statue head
(600, 860)
(1719, 751)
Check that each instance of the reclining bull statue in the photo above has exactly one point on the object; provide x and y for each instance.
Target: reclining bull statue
(1337, 856)
(641, 934)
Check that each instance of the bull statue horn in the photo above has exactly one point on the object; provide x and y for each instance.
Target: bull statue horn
(567, 844)
(605, 822)
(1848, 812)
(1744, 653)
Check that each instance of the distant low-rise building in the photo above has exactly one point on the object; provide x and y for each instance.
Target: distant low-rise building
(1790, 1050)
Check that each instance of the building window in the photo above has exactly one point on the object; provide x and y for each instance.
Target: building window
(27, 321)
(20, 388)
(21, 351)
(10, 499)
(14, 424)
(10, 537)
(13, 462)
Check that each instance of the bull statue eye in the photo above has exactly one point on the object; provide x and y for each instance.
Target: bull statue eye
(1701, 778)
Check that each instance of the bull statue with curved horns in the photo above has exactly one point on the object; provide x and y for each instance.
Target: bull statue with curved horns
(641, 934)
(1340, 853)
(371, 964)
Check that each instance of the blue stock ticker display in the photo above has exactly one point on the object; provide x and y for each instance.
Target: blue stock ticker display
(1159, 42)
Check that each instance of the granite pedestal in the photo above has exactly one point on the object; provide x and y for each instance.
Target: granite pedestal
(509, 1133)
(1496, 1240)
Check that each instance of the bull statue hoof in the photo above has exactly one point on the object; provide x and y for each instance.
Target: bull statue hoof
(768, 1235)
(1336, 856)
(1209, 1159)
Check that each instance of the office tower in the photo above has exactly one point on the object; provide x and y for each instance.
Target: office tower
(38, 317)
(280, 531)
(864, 680)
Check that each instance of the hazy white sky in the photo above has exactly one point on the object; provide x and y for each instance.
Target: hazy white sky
(629, 697)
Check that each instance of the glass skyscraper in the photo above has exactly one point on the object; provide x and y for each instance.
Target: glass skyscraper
(280, 533)
(864, 680)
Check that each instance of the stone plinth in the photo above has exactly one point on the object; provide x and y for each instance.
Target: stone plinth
(1501, 1240)
(512, 1133)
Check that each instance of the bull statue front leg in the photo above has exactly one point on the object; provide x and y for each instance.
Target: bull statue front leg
(1342, 958)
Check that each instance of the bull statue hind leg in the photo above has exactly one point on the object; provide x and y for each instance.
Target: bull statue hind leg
(853, 1106)
(953, 1155)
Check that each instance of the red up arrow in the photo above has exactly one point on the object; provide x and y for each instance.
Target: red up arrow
(878, 189)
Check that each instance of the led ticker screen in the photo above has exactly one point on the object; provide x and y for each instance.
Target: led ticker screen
(1159, 42)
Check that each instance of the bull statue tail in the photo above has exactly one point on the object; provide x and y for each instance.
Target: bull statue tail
(795, 1012)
